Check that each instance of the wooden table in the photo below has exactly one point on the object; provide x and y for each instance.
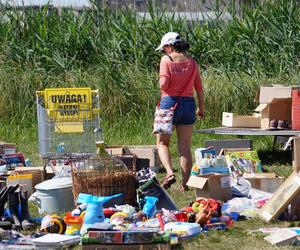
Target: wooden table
(240, 132)
(247, 131)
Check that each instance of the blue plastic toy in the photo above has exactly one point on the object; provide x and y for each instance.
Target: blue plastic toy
(150, 206)
(94, 211)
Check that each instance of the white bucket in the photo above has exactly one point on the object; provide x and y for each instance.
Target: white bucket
(55, 195)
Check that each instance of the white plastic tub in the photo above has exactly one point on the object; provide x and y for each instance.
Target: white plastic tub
(54, 195)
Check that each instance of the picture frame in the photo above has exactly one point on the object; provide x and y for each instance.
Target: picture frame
(281, 198)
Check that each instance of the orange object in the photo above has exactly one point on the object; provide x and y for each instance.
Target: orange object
(161, 222)
(69, 219)
(209, 204)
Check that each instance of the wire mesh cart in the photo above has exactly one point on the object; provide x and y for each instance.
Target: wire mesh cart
(68, 122)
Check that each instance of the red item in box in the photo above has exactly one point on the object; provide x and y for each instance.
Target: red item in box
(108, 212)
(183, 217)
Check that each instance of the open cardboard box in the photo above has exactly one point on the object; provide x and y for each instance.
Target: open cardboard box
(242, 121)
(279, 109)
(141, 151)
(146, 151)
(216, 186)
(266, 94)
(268, 182)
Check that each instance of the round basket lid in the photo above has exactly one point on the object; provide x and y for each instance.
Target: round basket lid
(55, 183)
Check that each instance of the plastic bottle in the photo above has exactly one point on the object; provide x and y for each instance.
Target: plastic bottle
(28, 163)
(198, 156)
(101, 149)
(204, 163)
(60, 148)
(208, 158)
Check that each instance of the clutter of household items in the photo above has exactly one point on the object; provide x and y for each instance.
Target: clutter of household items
(92, 194)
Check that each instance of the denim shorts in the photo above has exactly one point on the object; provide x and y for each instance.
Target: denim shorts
(185, 112)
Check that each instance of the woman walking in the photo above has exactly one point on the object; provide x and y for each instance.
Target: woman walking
(179, 77)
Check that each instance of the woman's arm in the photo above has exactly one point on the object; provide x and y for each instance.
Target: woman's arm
(199, 92)
(164, 73)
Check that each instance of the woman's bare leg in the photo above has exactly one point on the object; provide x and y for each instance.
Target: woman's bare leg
(184, 135)
(163, 142)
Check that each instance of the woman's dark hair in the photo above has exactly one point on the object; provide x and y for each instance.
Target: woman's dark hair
(181, 46)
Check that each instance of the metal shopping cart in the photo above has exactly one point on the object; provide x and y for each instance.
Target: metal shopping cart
(68, 122)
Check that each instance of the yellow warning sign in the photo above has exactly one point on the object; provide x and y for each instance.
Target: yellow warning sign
(68, 104)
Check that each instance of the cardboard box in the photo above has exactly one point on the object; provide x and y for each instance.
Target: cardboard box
(115, 150)
(268, 182)
(296, 153)
(242, 121)
(141, 151)
(146, 151)
(268, 93)
(225, 151)
(279, 109)
(216, 186)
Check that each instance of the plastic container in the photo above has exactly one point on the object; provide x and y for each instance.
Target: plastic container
(24, 180)
(55, 195)
(200, 154)
(183, 228)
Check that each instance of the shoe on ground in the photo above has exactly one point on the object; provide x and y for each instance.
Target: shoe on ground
(282, 124)
(273, 124)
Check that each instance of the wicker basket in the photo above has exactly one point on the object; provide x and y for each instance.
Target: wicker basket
(105, 181)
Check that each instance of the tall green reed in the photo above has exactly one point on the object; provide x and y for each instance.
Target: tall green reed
(114, 51)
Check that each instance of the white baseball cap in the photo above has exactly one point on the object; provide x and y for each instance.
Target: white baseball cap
(168, 38)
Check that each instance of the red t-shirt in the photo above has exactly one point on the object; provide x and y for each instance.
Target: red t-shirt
(181, 77)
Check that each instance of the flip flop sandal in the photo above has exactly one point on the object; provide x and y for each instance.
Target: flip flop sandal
(169, 180)
(183, 189)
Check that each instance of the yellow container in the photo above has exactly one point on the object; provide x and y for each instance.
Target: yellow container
(24, 180)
